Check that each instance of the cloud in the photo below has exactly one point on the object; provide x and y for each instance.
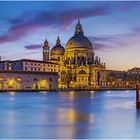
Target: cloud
(99, 46)
(30, 21)
(120, 41)
(33, 47)
(16, 33)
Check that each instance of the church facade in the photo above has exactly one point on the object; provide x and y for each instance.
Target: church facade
(79, 68)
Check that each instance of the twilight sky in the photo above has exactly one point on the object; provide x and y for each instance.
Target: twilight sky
(113, 28)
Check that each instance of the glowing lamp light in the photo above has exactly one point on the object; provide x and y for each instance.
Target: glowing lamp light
(1, 78)
(42, 84)
(11, 82)
(18, 79)
(108, 83)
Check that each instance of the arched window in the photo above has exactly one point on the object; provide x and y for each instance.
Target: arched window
(82, 72)
(63, 72)
(50, 79)
(35, 79)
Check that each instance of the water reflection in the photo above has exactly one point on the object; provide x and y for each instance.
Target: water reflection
(92, 94)
(12, 93)
(137, 115)
(71, 95)
(43, 92)
(108, 91)
(72, 121)
(69, 115)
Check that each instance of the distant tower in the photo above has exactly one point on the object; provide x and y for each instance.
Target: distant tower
(46, 51)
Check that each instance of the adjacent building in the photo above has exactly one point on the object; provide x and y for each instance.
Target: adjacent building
(123, 79)
(28, 80)
(29, 65)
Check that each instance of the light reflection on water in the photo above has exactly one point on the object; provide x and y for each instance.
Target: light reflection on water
(69, 115)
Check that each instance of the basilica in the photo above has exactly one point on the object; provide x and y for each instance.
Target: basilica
(73, 67)
(79, 68)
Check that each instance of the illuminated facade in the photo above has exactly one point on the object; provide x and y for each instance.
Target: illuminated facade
(74, 66)
(79, 68)
(28, 80)
(123, 79)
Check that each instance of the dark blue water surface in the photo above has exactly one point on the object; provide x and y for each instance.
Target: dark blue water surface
(102, 114)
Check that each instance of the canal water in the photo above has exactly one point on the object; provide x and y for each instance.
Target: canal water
(101, 114)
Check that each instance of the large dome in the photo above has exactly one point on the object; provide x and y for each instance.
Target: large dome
(79, 41)
(58, 49)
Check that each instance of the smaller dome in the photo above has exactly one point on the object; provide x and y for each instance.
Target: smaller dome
(58, 49)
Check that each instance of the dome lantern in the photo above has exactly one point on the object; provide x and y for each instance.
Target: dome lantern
(78, 29)
(58, 41)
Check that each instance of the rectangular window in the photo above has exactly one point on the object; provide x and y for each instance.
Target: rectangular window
(18, 79)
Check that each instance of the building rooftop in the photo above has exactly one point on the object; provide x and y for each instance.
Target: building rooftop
(29, 60)
(27, 72)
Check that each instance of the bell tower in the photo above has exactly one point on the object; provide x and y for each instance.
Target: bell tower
(46, 51)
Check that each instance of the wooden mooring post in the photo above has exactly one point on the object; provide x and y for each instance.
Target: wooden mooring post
(137, 97)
